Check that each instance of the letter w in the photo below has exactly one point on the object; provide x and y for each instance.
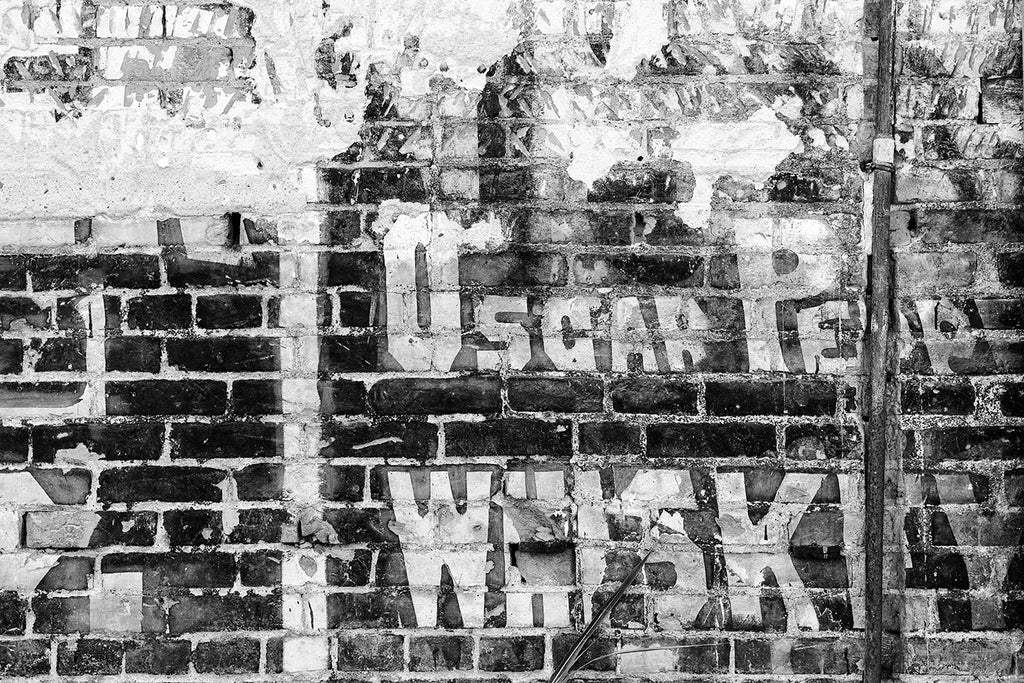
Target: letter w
(444, 537)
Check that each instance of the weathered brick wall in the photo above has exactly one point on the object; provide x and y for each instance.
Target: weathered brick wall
(376, 341)
(959, 271)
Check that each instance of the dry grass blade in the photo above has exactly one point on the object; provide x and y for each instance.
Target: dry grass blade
(561, 674)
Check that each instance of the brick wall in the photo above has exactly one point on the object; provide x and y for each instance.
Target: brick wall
(957, 233)
(370, 342)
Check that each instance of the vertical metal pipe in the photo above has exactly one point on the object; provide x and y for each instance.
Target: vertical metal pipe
(881, 349)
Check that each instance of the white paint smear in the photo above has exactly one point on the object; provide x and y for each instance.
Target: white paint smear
(747, 150)
(596, 149)
(639, 31)
(119, 159)
(455, 37)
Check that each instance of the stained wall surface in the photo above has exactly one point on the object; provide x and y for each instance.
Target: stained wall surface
(959, 271)
(378, 340)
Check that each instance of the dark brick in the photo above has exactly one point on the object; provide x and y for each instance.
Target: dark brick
(134, 271)
(264, 481)
(724, 272)
(259, 526)
(259, 268)
(562, 645)
(23, 311)
(70, 573)
(561, 394)
(342, 482)
(380, 440)
(506, 183)
(785, 397)
(441, 653)
(822, 442)
(166, 397)
(609, 438)
(157, 656)
(705, 656)
(132, 354)
(111, 313)
(618, 564)
(229, 311)
(813, 184)
(1011, 269)
(13, 444)
(275, 655)
(12, 613)
(59, 355)
(626, 614)
(711, 440)
(231, 612)
(753, 656)
(636, 269)
(512, 653)
(377, 652)
(654, 395)
(64, 487)
(972, 443)
(358, 526)
(232, 656)
(256, 397)
(1015, 488)
(507, 437)
(203, 441)
(352, 269)
(937, 398)
(172, 484)
(13, 272)
(350, 571)
(355, 309)
(965, 226)
(87, 657)
(193, 527)
(175, 569)
(60, 615)
(348, 354)
(723, 314)
(142, 441)
(274, 312)
(1011, 400)
(12, 355)
(24, 657)
(124, 528)
(340, 227)
(937, 569)
(512, 269)
(261, 568)
(829, 657)
(374, 609)
(375, 185)
(342, 397)
(424, 396)
(666, 229)
(490, 140)
(224, 354)
(623, 184)
(164, 312)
